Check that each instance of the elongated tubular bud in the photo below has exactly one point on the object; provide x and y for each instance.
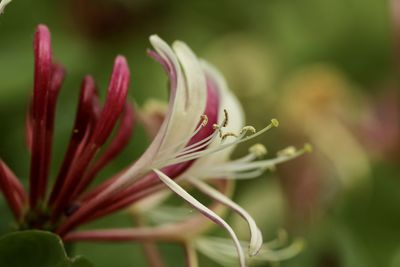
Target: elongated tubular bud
(11, 190)
(120, 140)
(115, 102)
(42, 77)
(57, 78)
(84, 115)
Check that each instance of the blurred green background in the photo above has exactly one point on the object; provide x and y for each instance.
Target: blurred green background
(325, 69)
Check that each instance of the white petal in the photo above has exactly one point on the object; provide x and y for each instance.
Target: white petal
(228, 102)
(188, 100)
(256, 236)
(187, 103)
(188, 111)
(3, 4)
(204, 210)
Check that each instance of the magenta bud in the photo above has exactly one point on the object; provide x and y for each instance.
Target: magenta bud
(115, 101)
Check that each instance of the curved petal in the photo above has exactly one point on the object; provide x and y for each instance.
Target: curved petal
(187, 103)
(256, 238)
(205, 211)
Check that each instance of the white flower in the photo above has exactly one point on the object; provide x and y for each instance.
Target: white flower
(212, 153)
(201, 127)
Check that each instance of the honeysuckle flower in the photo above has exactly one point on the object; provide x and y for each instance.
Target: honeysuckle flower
(201, 126)
(201, 152)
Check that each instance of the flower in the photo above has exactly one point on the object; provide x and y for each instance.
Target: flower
(201, 152)
(201, 126)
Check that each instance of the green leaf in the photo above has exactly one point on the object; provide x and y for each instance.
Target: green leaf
(36, 249)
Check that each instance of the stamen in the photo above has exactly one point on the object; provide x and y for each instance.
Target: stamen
(255, 151)
(227, 134)
(203, 123)
(245, 168)
(248, 175)
(287, 152)
(204, 120)
(262, 163)
(239, 140)
(226, 118)
(224, 123)
(196, 146)
(191, 148)
(275, 122)
(246, 129)
(258, 150)
(218, 127)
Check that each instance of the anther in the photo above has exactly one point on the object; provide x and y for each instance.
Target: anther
(258, 150)
(204, 121)
(287, 152)
(226, 118)
(248, 129)
(218, 128)
(225, 135)
(275, 122)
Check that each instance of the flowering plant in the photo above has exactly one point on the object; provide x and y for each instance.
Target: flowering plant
(192, 144)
